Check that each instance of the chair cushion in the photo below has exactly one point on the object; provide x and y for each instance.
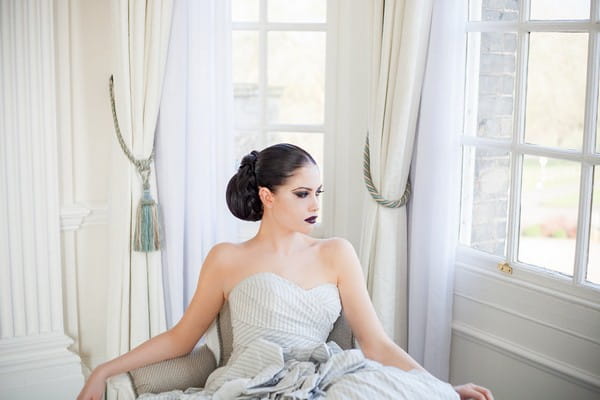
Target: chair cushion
(178, 373)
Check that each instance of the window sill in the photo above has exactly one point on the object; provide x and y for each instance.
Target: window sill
(537, 279)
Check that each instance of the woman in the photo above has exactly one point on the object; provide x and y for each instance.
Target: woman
(285, 289)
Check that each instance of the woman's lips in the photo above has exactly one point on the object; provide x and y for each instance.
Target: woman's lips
(311, 220)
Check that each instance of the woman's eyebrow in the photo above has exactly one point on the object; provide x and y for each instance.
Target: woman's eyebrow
(307, 188)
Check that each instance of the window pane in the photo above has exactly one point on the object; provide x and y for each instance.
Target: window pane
(556, 89)
(245, 78)
(244, 10)
(297, 11)
(560, 9)
(593, 269)
(490, 84)
(549, 204)
(484, 203)
(493, 10)
(296, 77)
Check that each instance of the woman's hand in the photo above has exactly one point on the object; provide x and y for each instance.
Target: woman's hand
(94, 387)
(472, 391)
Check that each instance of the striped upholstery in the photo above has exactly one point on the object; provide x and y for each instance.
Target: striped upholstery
(177, 373)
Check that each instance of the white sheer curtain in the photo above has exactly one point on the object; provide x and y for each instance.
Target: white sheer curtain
(194, 155)
(135, 292)
(434, 207)
(400, 35)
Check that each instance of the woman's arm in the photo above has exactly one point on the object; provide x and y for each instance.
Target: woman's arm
(359, 311)
(179, 340)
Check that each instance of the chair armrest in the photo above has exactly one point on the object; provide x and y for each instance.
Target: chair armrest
(179, 373)
(120, 387)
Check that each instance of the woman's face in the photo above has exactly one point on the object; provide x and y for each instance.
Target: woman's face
(295, 204)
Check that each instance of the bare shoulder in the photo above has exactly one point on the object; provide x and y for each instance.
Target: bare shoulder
(221, 257)
(339, 253)
(336, 247)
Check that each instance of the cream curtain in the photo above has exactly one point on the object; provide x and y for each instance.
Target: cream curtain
(400, 36)
(135, 293)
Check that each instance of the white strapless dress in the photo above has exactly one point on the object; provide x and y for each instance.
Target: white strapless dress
(279, 352)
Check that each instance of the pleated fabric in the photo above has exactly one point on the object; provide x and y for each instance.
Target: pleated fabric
(279, 352)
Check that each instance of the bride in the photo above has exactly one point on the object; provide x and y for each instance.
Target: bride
(285, 290)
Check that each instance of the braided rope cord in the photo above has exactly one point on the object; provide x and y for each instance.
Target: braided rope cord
(142, 165)
(371, 186)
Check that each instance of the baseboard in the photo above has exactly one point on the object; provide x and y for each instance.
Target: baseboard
(522, 354)
(39, 366)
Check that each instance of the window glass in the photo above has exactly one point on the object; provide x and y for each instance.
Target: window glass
(490, 98)
(244, 10)
(556, 82)
(548, 218)
(297, 11)
(485, 198)
(493, 10)
(296, 77)
(593, 271)
(560, 9)
(245, 78)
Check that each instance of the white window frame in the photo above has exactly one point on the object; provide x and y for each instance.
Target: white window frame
(324, 228)
(575, 287)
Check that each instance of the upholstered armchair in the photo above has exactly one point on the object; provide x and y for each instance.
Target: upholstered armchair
(193, 369)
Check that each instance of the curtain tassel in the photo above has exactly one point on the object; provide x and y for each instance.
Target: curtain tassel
(146, 236)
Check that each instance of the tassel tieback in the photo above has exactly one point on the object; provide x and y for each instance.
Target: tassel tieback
(146, 236)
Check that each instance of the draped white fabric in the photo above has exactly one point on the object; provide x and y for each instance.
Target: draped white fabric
(195, 156)
(135, 292)
(400, 35)
(433, 209)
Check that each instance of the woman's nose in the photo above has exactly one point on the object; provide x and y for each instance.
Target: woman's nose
(315, 204)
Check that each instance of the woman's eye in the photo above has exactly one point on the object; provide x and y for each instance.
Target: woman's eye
(319, 192)
(302, 194)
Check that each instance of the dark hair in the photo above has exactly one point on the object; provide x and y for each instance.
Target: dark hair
(268, 168)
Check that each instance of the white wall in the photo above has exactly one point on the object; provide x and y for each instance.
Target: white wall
(521, 339)
(85, 59)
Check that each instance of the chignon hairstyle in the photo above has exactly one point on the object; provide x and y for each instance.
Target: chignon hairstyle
(267, 168)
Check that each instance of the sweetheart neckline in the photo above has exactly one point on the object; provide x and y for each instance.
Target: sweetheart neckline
(282, 279)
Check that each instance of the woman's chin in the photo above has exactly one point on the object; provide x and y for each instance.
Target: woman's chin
(308, 228)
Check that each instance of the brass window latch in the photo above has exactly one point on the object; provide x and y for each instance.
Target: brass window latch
(505, 267)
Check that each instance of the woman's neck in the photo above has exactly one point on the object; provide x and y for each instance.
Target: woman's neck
(278, 241)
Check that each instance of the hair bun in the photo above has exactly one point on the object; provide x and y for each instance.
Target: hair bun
(242, 190)
(249, 160)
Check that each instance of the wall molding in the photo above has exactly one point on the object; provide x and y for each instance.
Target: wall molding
(35, 352)
(521, 354)
(34, 358)
(527, 317)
